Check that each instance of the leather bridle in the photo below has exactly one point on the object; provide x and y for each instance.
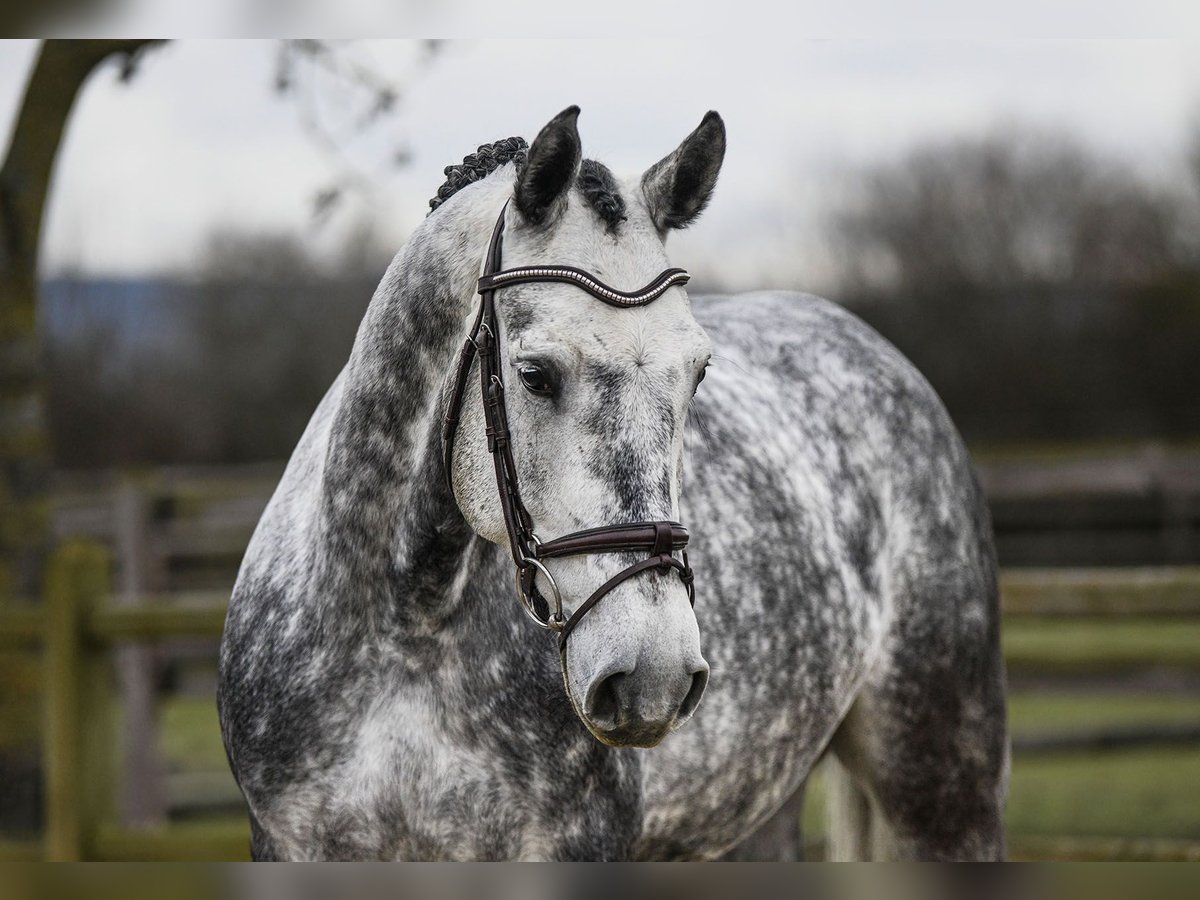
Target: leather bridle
(660, 540)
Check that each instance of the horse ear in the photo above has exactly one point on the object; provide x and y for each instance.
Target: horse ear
(550, 167)
(679, 186)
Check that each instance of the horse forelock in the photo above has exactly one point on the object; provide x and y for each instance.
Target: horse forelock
(599, 189)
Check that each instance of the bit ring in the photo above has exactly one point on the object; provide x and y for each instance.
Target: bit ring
(555, 620)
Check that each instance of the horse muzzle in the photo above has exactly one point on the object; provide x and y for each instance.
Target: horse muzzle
(633, 669)
(639, 708)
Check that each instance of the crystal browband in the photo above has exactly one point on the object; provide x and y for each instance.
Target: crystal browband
(589, 283)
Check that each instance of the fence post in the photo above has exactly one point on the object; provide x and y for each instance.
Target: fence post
(142, 792)
(76, 579)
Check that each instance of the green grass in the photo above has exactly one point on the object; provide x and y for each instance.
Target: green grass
(1137, 793)
(1152, 792)
(191, 734)
(1130, 793)
(223, 839)
(815, 797)
(1100, 645)
(1064, 712)
(1143, 793)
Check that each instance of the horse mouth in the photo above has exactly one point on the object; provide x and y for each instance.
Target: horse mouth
(632, 734)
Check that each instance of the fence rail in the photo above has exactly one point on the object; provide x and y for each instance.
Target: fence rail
(1142, 591)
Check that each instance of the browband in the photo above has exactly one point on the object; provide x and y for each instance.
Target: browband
(591, 284)
(661, 540)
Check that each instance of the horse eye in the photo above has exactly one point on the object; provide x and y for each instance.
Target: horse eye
(536, 379)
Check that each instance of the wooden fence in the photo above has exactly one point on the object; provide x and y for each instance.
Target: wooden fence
(75, 631)
(173, 540)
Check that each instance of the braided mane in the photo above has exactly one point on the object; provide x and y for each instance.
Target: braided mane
(595, 181)
(478, 165)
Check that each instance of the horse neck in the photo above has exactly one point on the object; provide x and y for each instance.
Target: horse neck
(392, 536)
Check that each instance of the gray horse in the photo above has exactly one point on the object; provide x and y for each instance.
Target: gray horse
(381, 694)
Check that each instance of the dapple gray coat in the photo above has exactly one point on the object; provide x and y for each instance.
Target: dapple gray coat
(383, 697)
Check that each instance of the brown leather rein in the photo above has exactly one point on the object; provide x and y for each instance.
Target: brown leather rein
(661, 540)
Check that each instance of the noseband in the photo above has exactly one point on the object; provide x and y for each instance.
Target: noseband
(660, 540)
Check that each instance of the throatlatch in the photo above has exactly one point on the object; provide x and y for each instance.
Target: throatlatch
(659, 539)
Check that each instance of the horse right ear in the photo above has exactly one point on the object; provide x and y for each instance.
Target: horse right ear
(679, 186)
(551, 165)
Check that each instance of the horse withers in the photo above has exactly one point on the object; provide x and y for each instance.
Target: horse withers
(538, 439)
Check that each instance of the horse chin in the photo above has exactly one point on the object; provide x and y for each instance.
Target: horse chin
(643, 737)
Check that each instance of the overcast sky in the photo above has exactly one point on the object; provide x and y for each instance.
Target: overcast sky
(755, 19)
(200, 139)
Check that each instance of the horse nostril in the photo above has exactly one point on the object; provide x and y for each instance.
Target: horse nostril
(603, 701)
(695, 692)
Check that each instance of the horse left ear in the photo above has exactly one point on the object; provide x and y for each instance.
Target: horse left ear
(679, 186)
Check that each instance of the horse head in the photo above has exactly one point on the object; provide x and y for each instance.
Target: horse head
(587, 435)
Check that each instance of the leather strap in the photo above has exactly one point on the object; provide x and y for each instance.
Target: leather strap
(664, 563)
(590, 283)
(659, 539)
(466, 357)
(617, 539)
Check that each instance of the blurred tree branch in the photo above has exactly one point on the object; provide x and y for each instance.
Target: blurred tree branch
(367, 97)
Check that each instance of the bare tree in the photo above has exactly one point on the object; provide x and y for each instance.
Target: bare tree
(26, 17)
(1017, 208)
(1044, 291)
(60, 72)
